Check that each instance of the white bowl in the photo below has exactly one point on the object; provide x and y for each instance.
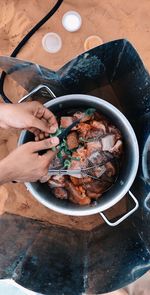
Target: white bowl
(71, 21)
(52, 42)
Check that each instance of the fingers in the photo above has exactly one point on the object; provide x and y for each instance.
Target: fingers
(51, 119)
(48, 117)
(49, 155)
(39, 135)
(45, 144)
(45, 178)
(41, 125)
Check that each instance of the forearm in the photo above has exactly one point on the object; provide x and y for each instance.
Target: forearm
(3, 109)
(6, 173)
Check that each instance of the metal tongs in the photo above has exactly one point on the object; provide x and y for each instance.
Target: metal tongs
(79, 173)
(70, 172)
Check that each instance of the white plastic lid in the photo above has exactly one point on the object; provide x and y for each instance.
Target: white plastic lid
(72, 21)
(52, 42)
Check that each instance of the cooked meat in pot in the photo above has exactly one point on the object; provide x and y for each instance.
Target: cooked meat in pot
(95, 148)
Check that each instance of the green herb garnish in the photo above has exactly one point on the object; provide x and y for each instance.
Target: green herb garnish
(68, 152)
(58, 132)
(67, 163)
(73, 150)
(63, 144)
(60, 154)
(90, 111)
(74, 158)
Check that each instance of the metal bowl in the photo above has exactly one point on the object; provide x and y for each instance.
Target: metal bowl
(128, 169)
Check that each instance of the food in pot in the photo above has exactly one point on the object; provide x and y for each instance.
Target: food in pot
(95, 143)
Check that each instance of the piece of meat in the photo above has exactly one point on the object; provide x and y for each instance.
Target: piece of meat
(97, 186)
(94, 186)
(93, 146)
(87, 131)
(59, 178)
(99, 125)
(60, 193)
(75, 180)
(92, 195)
(80, 181)
(53, 184)
(99, 171)
(75, 195)
(93, 134)
(86, 180)
(83, 129)
(76, 164)
(117, 149)
(56, 181)
(72, 140)
(114, 130)
(82, 154)
(110, 169)
(108, 142)
(56, 162)
(65, 121)
(82, 116)
(98, 158)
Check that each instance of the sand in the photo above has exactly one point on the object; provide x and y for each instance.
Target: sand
(108, 19)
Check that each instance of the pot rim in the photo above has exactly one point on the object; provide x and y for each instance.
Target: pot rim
(125, 189)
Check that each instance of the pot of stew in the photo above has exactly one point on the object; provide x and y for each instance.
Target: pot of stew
(104, 142)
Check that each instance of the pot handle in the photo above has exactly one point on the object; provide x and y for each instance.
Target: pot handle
(124, 216)
(36, 89)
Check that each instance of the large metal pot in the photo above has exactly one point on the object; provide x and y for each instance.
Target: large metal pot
(128, 170)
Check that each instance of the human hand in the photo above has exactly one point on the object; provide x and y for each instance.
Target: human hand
(25, 164)
(28, 115)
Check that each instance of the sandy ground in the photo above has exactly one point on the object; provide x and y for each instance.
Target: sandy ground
(108, 19)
